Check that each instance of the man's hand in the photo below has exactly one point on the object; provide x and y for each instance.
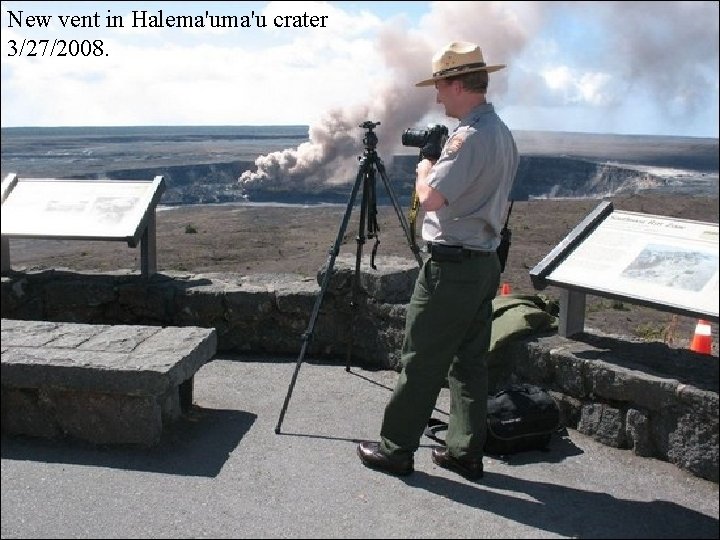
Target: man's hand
(424, 167)
(430, 198)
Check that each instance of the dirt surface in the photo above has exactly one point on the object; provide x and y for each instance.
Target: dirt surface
(292, 239)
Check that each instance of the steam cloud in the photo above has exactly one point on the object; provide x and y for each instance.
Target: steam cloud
(335, 142)
(668, 51)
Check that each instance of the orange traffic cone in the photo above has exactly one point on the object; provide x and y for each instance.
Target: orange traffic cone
(702, 340)
(504, 289)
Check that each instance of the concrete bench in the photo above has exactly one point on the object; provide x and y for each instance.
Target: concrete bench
(106, 384)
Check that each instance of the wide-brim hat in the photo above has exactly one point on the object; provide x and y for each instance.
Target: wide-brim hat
(457, 58)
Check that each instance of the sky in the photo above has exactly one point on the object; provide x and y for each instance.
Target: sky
(599, 67)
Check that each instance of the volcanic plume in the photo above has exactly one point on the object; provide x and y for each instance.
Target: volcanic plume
(667, 52)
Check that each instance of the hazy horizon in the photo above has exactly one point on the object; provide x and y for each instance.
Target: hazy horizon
(231, 126)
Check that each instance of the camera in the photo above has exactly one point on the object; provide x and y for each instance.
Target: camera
(430, 140)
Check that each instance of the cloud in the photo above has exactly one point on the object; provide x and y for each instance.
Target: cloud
(601, 58)
(585, 88)
(669, 49)
(170, 76)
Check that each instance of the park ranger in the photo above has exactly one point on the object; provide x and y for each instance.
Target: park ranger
(447, 332)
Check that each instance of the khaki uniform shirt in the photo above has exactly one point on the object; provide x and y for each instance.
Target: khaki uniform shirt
(475, 174)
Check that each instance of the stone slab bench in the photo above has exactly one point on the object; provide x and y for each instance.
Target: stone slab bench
(106, 384)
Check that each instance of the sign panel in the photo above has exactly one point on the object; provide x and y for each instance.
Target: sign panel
(78, 209)
(654, 259)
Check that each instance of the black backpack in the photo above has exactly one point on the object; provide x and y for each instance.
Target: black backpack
(520, 417)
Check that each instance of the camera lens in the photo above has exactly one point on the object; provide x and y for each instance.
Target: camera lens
(415, 137)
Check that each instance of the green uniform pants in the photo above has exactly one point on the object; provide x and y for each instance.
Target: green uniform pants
(447, 334)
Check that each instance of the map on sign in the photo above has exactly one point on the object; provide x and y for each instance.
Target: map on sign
(673, 267)
(657, 259)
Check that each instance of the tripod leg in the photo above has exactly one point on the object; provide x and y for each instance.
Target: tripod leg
(398, 210)
(368, 177)
(307, 336)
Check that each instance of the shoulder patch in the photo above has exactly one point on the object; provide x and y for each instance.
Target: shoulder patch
(455, 143)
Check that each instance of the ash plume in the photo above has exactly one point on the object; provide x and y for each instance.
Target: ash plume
(335, 142)
(667, 48)
(667, 51)
(330, 156)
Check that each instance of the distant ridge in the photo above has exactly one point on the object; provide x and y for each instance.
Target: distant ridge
(202, 163)
(700, 153)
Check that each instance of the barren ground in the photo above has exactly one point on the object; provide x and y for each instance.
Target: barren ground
(292, 239)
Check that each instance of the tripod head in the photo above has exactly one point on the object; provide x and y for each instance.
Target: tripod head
(370, 140)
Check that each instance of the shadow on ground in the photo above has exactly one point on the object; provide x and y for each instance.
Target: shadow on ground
(197, 445)
(570, 512)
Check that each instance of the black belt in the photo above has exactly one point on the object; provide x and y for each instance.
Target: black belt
(445, 252)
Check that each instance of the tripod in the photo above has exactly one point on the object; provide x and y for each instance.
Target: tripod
(370, 163)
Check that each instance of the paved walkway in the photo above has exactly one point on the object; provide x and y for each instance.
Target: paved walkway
(225, 473)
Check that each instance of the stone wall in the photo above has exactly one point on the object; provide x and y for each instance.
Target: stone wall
(259, 313)
(655, 401)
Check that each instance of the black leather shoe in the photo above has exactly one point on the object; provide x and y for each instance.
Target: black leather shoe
(470, 468)
(372, 457)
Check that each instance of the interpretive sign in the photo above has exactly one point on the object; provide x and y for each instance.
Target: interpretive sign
(50, 208)
(658, 261)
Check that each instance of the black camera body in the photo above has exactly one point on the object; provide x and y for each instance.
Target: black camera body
(430, 140)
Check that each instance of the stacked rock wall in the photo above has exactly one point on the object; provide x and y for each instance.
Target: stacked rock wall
(656, 401)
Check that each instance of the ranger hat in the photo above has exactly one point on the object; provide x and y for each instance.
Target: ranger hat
(457, 58)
